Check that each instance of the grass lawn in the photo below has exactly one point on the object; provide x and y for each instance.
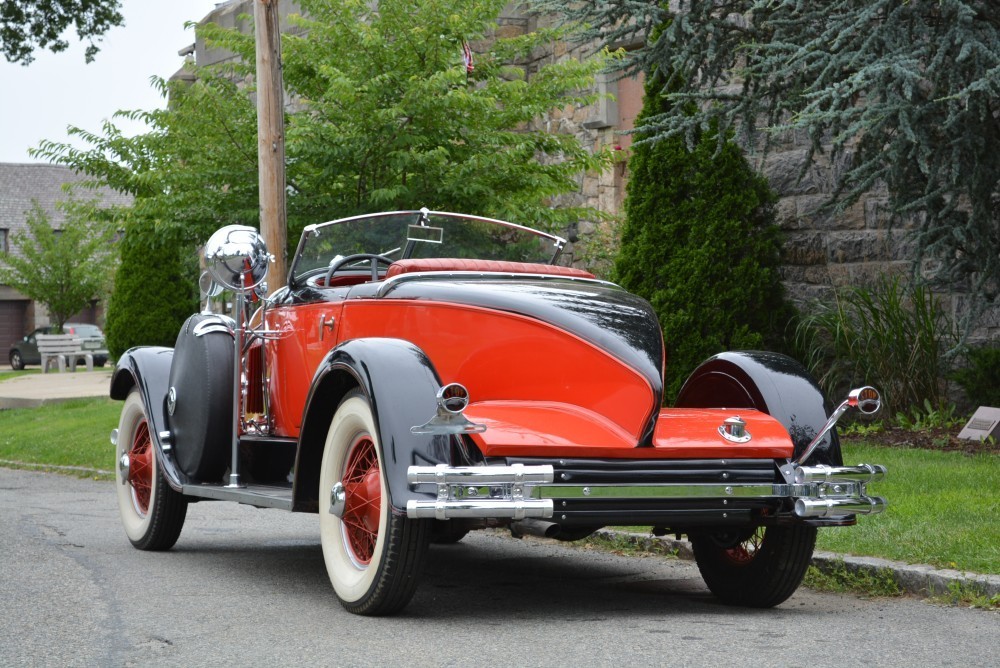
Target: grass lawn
(943, 506)
(71, 433)
(943, 510)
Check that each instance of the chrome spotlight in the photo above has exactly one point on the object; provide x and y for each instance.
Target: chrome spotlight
(237, 257)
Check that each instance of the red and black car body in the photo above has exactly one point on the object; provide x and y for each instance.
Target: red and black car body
(424, 374)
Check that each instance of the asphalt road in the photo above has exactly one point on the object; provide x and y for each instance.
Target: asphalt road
(247, 587)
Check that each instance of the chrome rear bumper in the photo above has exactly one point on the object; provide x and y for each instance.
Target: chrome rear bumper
(522, 491)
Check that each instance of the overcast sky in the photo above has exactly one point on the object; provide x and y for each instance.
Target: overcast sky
(59, 89)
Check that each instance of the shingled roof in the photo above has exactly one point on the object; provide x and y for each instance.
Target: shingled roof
(21, 183)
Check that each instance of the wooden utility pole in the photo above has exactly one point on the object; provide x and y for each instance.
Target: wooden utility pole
(271, 138)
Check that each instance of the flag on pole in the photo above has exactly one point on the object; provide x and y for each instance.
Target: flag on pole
(467, 58)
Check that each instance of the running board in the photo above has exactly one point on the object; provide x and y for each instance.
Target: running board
(261, 496)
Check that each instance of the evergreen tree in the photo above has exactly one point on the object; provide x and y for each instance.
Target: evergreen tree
(905, 91)
(156, 289)
(699, 242)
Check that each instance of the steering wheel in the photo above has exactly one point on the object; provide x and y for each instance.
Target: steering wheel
(371, 257)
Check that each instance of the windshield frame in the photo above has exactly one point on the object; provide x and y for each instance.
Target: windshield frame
(421, 216)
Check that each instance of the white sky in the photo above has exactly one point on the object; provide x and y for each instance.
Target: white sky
(59, 89)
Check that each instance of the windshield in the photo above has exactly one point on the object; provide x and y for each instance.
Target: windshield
(420, 234)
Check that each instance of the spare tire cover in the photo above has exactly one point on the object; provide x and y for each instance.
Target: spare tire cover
(201, 410)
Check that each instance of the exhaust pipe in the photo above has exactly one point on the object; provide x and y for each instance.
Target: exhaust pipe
(533, 527)
(865, 505)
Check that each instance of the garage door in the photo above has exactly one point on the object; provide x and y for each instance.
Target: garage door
(11, 323)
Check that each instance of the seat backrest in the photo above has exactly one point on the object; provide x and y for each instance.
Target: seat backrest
(486, 266)
(58, 343)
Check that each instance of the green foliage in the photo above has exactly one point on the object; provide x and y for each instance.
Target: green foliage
(392, 119)
(155, 291)
(981, 377)
(836, 576)
(25, 24)
(901, 93)
(385, 117)
(967, 594)
(893, 336)
(928, 417)
(63, 269)
(860, 429)
(699, 242)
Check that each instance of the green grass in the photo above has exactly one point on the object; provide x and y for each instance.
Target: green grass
(71, 433)
(10, 375)
(943, 510)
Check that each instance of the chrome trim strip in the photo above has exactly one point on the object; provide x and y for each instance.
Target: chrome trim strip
(517, 510)
(480, 475)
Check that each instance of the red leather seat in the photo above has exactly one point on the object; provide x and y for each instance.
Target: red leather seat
(491, 266)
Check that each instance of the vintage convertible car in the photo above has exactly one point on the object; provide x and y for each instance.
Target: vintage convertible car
(423, 374)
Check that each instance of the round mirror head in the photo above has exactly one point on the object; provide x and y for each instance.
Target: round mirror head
(237, 252)
(867, 400)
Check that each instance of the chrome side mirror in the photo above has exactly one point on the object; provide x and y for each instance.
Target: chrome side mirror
(865, 399)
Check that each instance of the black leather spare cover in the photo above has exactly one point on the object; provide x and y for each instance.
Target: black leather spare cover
(201, 377)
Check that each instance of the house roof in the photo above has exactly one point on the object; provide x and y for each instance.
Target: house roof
(23, 183)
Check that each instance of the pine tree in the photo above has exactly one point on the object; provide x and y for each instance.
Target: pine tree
(699, 242)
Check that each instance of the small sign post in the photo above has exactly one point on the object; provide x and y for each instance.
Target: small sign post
(985, 423)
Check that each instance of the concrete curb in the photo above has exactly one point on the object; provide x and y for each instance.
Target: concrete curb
(915, 579)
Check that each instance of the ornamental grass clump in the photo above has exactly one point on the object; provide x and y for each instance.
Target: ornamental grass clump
(893, 335)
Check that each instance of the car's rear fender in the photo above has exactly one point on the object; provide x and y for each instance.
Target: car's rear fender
(148, 369)
(401, 383)
(772, 383)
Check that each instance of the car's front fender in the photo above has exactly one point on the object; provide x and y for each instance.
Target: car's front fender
(148, 369)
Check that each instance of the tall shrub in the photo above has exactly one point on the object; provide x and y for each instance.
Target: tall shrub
(891, 335)
(155, 290)
(699, 242)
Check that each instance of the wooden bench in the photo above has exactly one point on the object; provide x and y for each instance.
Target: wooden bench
(64, 350)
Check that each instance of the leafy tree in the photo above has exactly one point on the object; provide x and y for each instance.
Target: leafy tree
(699, 242)
(385, 115)
(905, 92)
(63, 269)
(29, 24)
(393, 119)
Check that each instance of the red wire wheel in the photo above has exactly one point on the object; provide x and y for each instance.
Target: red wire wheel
(363, 505)
(744, 552)
(140, 469)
